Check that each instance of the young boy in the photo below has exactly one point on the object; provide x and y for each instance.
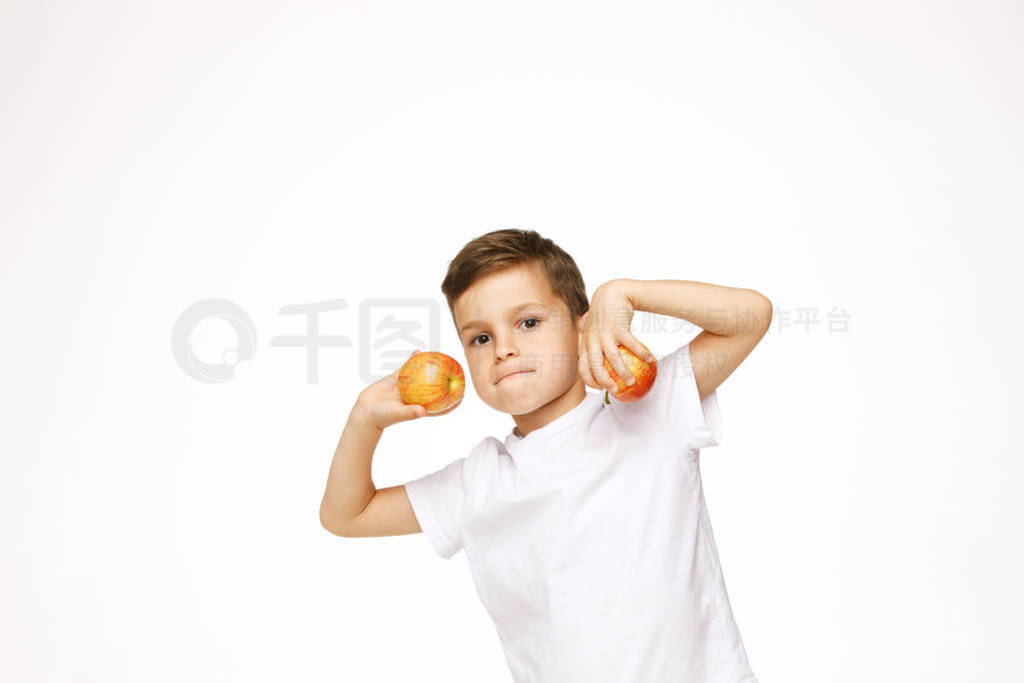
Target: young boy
(585, 529)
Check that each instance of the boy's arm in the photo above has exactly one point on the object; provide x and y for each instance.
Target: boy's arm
(349, 482)
(352, 506)
(732, 320)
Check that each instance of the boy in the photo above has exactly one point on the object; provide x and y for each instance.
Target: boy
(585, 529)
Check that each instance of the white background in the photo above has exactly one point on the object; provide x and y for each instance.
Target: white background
(844, 158)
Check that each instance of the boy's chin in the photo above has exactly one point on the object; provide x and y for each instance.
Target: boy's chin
(523, 402)
(518, 406)
(527, 402)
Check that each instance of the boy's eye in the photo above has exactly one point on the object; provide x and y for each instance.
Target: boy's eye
(472, 342)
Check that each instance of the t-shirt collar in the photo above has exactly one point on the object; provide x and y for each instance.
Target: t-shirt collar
(560, 423)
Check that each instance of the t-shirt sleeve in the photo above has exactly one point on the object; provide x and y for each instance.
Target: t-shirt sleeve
(437, 499)
(673, 406)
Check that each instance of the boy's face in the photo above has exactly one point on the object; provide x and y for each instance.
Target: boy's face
(510, 321)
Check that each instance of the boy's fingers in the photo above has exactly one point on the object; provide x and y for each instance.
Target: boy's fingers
(595, 361)
(620, 364)
(585, 372)
(638, 348)
(614, 357)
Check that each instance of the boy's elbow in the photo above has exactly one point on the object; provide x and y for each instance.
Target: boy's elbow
(330, 522)
(765, 317)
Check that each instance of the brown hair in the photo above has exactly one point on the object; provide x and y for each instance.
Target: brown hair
(500, 249)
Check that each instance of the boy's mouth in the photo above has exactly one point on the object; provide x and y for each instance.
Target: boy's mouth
(513, 374)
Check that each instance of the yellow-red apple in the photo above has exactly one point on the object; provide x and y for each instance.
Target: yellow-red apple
(643, 372)
(433, 380)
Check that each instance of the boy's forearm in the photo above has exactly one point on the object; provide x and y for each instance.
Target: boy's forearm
(350, 481)
(720, 310)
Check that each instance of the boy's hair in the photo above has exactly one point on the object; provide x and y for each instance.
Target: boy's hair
(500, 249)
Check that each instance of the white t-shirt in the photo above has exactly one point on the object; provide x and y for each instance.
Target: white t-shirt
(589, 542)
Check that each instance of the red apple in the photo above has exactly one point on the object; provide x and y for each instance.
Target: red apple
(433, 380)
(643, 372)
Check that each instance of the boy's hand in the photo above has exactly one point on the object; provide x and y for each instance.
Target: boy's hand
(381, 403)
(604, 327)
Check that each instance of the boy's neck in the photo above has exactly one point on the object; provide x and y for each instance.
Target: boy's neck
(547, 413)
